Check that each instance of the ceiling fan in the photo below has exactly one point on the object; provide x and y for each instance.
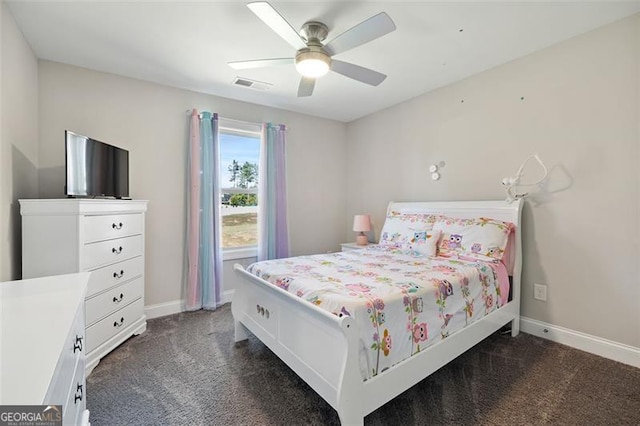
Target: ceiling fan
(314, 59)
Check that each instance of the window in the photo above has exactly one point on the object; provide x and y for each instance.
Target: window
(239, 159)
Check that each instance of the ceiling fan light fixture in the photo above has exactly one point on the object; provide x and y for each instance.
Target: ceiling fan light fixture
(313, 57)
(312, 64)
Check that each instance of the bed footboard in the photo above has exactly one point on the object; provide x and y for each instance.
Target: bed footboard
(323, 348)
(320, 347)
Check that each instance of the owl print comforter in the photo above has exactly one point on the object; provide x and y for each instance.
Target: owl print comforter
(402, 303)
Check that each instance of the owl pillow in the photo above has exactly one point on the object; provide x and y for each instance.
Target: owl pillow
(424, 243)
(479, 238)
(399, 229)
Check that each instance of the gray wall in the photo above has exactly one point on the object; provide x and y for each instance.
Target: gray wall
(150, 121)
(18, 139)
(580, 113)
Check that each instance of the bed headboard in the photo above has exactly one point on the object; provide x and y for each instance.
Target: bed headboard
(499, 210)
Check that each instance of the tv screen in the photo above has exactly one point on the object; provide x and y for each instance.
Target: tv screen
(94, 168)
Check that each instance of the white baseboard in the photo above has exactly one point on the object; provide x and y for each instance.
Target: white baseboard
(177, 306)
(605, 348)
(164, 309)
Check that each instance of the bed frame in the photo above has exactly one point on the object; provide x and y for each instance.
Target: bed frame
(323, 348)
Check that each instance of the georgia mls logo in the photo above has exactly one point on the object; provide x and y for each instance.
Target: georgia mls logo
(30, 415)
(52, 413)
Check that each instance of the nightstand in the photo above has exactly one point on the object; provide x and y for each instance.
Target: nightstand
(354, 246)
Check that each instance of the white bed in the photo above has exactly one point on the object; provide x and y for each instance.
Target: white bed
(323, 349)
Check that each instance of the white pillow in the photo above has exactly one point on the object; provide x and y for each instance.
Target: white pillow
(479, 238)
(400, 229)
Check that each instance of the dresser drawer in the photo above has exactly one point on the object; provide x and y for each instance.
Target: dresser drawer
(111, 300)
(72, 353)
(99, 228)
(73, 417)
(76, 399)
(112, 275)
(108, 327)
(106, 252)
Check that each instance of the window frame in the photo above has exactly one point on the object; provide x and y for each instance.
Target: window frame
(247, 129)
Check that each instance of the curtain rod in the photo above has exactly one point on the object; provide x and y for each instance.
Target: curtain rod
(190, 111)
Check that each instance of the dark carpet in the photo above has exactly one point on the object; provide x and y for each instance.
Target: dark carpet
(186, 370)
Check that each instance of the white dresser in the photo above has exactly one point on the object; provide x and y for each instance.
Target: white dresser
(42, 358)
(103, 236)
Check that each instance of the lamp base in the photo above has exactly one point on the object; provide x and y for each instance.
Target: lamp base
(362, 240)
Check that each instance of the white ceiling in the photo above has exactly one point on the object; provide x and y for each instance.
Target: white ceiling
(188, 44)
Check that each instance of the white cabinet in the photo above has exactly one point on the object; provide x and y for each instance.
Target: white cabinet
(105, 237)
(43, 344)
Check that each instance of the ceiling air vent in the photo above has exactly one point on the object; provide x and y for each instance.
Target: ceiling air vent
(251, 84)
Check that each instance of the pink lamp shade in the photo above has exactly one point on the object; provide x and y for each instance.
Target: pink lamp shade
(362, 224)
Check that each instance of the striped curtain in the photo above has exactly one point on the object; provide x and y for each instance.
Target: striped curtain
(203, 253)
(273, 229)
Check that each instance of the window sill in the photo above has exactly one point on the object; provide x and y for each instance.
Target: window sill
(239, 253)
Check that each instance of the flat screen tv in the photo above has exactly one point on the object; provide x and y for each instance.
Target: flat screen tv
(94, 168)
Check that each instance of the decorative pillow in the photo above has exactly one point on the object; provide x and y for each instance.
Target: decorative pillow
(424, 243)
(399, 229)
(479, 238)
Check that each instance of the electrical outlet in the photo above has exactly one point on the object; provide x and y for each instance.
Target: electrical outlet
(540, 292)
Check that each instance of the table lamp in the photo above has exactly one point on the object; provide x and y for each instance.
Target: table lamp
(362, 224)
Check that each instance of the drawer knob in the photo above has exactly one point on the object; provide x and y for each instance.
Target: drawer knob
(116, 225)
(77, 346)
(117, 275)
(116, 250)
(78, 396)
(118, 324)
(116, 300)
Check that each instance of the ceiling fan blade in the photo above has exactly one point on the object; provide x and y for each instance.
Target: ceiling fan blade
(306, 86)
(356, 72)
(364, 32)
(260, 63)
(277, 23)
